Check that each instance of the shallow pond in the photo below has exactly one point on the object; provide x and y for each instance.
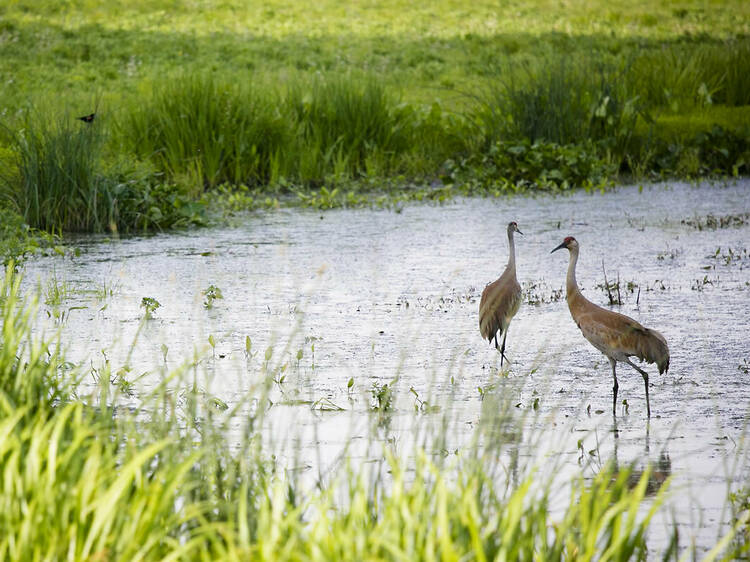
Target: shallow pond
(370, 295)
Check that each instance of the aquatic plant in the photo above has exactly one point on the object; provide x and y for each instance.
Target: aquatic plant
(56, 291)
(149, 304)
(210, 294)
(520, 166)
(18, 241)
(382, 397)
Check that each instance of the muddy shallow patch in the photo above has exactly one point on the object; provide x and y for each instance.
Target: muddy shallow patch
(369, 296)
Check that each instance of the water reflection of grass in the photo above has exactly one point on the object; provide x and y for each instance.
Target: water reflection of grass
(85, 478)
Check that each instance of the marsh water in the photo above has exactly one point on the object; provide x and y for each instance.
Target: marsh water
(391, 297)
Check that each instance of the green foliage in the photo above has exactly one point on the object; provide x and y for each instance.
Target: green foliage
(523, 165)
(154, 492)
(348, 107)
(740, 503)
(80, 483)
(150, 304)
(56, 291)
(205, 131)
(146, 202)
(119, 508)
(382, 397)
(211, 294)
(17, 240)
(712, 153)
(687, 75)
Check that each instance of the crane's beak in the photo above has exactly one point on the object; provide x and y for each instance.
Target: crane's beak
(560, 247)
(519, 232)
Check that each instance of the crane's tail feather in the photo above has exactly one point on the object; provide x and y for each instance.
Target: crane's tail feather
(654, 349)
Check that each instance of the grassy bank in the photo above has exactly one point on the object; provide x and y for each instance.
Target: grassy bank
(238, 107)
(178, 475)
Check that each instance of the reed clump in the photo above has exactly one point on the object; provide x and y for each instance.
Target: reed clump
(63, 180)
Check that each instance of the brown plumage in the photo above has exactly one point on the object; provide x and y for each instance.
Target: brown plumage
(617, 336)
(501, 299)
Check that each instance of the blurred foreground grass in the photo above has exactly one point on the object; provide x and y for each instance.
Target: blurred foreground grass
(86, 477)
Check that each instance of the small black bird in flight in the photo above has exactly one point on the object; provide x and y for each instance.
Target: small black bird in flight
(87, 118)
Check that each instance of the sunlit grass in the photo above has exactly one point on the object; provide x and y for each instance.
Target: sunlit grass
(334, 102)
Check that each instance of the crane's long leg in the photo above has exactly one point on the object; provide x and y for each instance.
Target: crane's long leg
(615, 387)
(644, 374)
(502, 349)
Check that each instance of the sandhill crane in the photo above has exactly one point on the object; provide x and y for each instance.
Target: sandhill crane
(617, 336)
(501, 299)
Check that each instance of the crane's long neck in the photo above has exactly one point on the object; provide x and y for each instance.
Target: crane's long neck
(511, 252)
(571, 284)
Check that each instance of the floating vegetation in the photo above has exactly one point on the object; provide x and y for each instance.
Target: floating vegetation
(440, 303)
(210, 295)
(56, 291)
(670, 254)
(106, 289)
(537, 293)
(711, 222)
(422, 406)
(730, 256)
(701, 284)
(382, 397)
(613, 289)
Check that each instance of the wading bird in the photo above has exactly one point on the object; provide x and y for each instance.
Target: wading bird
(501, 299)
(617, 336)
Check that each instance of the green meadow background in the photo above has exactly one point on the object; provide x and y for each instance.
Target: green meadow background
(355, 103)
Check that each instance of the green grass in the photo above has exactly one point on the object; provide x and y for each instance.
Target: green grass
(209, 131)
(59, 184)
(283, 99)
(347, 125)
(31, 380)
(691, 75)
(558, 100)
(60, 179)
(96, 46)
